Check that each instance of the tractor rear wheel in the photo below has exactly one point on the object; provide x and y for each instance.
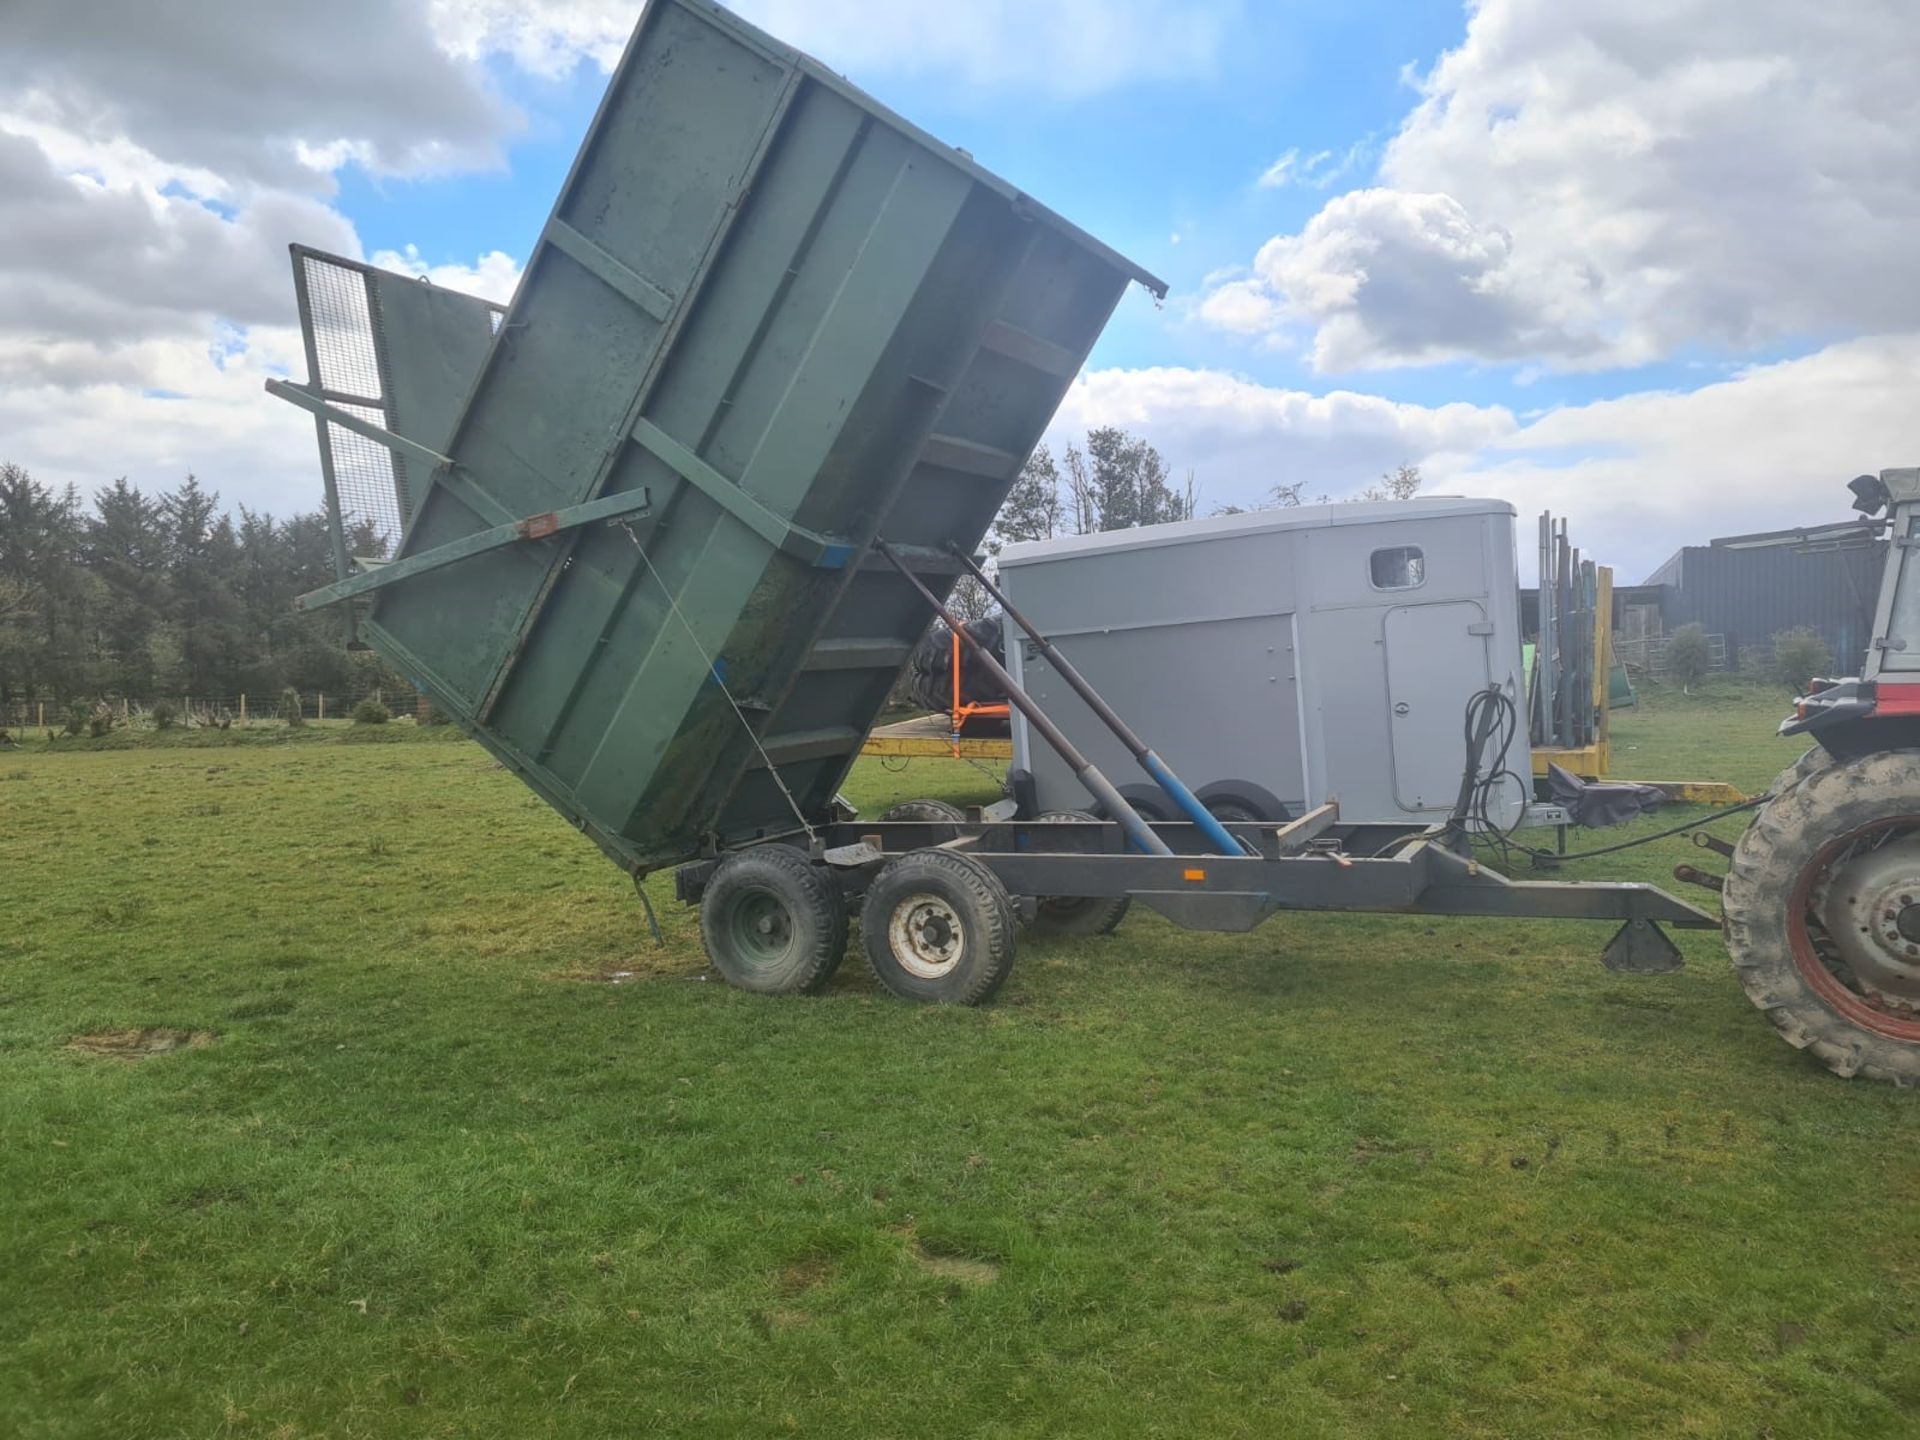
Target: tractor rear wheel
(1823, 914)
(1817, 758)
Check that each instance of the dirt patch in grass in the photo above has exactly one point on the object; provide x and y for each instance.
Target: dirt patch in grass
(965, 1269)
(141, 1044)
(799, 1276)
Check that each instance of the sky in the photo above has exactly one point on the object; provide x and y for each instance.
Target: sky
(1647, 263)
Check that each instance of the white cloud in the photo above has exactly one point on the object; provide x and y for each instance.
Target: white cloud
(232, 88)
(1246, 307)
(1063, 48)
(1592, 182)
(493, 276)
(1318, 171)
(155, 169)
(1391, 278)
(1769, 447)
(1242, 438)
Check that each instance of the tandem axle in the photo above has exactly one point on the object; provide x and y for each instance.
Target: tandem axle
(947, 886)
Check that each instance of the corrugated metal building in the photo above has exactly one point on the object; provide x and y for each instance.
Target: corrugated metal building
(1750, 587)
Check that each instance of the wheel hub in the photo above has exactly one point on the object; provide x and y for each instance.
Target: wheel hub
(762, 927)
(1871, 911)
(926, 936)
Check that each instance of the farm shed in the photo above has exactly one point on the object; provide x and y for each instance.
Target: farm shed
(1281, 658)
(1750, 587)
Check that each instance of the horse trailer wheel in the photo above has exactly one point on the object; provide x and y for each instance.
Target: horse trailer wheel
(938, 811)
(772, 922)
(1823, 914)
(1076, 916)
(938, 927)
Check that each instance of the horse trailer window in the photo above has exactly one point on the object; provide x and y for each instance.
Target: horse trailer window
(1402, 567)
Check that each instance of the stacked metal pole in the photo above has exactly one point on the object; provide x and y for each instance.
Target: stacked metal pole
(1562, 715)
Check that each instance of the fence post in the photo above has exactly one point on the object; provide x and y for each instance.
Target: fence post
(323, 707)
(40, 714)
(243, 709)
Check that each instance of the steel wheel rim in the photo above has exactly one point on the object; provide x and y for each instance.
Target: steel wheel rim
(1814, 950)
(760, 927)
(926, 936)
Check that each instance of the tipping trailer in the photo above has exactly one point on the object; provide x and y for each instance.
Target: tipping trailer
(663, 535)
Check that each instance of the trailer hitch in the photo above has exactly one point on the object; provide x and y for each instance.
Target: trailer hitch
(1705, 879)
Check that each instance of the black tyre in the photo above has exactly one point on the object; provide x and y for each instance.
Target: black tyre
(772, 922)
(1818, 758)
(1075, 916)
(1822, 909)
(937, 811)
(1229, 811)
(938, 927)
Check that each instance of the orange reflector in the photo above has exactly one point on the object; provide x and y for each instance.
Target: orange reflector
(1194, 875)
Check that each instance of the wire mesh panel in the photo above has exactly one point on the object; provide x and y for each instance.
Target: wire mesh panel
(343, 362)
(343, 307)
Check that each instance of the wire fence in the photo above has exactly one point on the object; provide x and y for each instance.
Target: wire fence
(206, 711)
(1647, 654)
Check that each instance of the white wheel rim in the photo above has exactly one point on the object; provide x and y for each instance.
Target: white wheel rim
(926, 936)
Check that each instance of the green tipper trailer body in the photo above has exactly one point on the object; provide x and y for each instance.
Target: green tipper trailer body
(768, 322)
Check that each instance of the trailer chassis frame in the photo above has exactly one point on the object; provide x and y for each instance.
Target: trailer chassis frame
(1313, 863)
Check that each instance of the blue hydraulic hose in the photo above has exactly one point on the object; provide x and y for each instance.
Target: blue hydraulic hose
(1204, 819)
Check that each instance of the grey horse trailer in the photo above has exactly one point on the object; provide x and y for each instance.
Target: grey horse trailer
(1281, 658)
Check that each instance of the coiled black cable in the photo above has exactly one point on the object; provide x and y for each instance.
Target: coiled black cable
(1491, 716)
(1492, 724)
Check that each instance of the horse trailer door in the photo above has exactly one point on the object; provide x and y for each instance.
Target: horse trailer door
(1436, 660)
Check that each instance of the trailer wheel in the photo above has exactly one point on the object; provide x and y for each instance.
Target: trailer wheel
(935, 811)
(772, 922)
(938, 927)
(1076, 916)
(1823, 915)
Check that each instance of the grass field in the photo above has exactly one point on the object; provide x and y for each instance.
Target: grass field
(454, 1150)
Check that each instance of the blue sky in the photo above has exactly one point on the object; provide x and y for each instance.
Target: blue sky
(1645, 262)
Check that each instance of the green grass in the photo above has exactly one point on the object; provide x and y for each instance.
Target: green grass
(470, 1156)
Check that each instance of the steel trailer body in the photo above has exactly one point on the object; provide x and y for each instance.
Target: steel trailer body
(782, 322)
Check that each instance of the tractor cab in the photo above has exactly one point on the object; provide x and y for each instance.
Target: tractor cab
(1880, 708)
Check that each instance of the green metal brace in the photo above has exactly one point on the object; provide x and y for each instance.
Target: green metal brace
(620, 506)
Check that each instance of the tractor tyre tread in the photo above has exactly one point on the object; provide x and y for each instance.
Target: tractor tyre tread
(1784, 836)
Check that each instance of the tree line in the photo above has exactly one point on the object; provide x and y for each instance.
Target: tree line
(139, 595)
(143, 596)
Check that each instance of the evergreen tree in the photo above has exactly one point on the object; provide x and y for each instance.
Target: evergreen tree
(203, 572)
(126, 551)
(44, 643)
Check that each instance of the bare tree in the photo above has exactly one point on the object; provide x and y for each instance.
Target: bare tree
(1400, 483)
